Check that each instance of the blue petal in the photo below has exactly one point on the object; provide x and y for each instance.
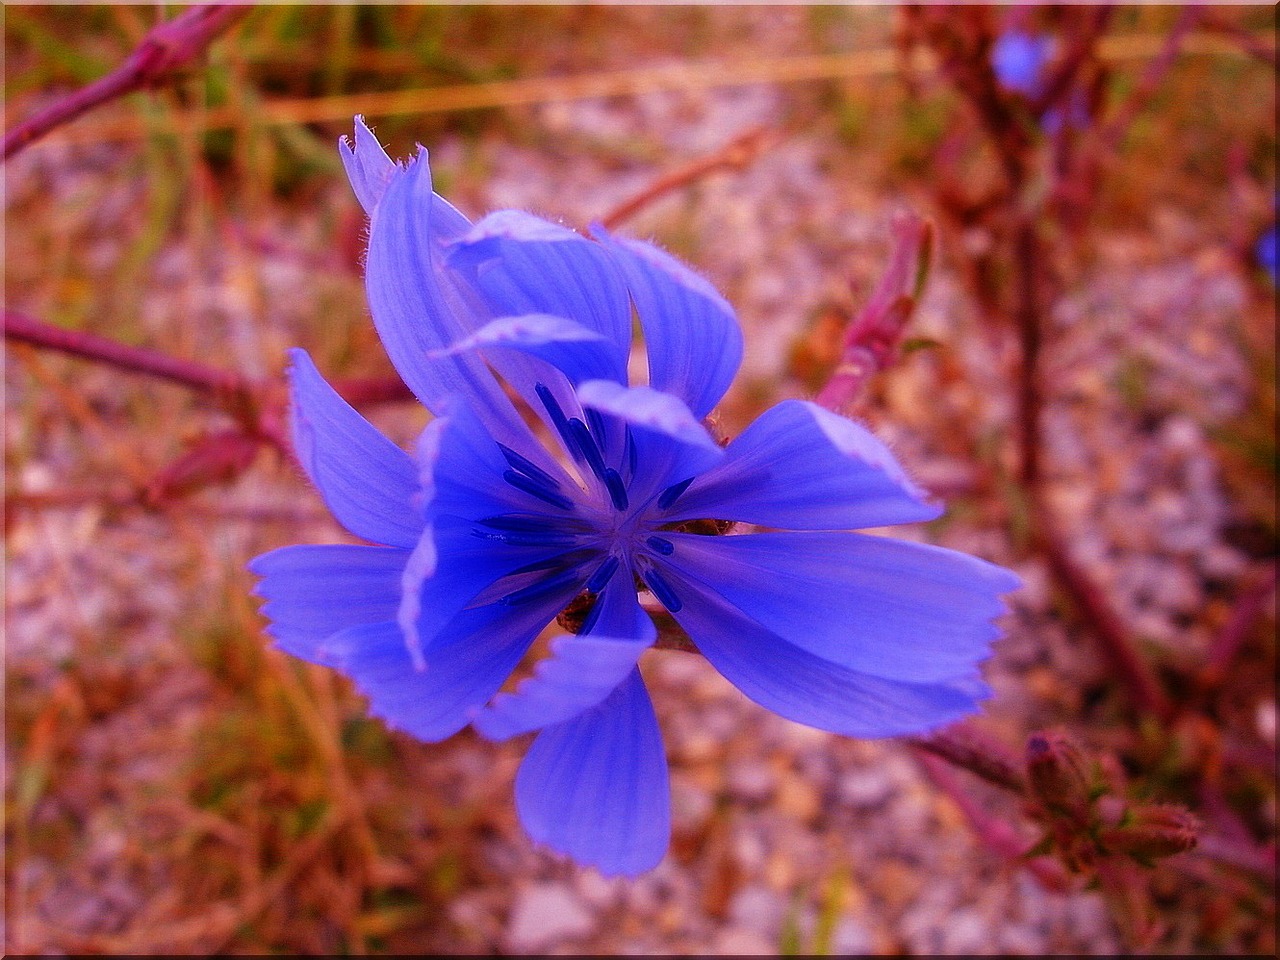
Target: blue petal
(524, 264)
(596, 788)
(808, 689)
(367, 481)
(691, 333)
(577, 351)
(368, 167)
(313, 592)
(461, 470)
(801, 467)
(582, 670)
(419, 306)
(671, 444)
(892, 609)
(1019, 60)
(465, 664)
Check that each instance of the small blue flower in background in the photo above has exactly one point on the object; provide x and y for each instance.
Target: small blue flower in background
(1265, 252)
(486, 535)
(1019, 59)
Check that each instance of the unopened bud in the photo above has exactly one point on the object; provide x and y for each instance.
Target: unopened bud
(1153, 830)
(1060, 774)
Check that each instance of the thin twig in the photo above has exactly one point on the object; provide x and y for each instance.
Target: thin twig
(1103, 621)
(872, 338)
(630, 82)
(163, 52)
(996, 834)
(1139, 99)
(737, 154)
(188, 373)
(966, 745)
(1248, 608)
(1212, 22)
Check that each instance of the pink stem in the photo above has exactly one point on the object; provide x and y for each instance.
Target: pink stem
(26, 329)
(162, 53)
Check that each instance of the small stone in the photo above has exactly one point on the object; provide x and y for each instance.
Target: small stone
(759, 909)
(743, 943)
(865, 789)
(751, 780)
(691, 806)
(546, 914)
(798, 798)
(850, 938)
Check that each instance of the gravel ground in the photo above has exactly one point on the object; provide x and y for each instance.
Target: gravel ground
(775, 826)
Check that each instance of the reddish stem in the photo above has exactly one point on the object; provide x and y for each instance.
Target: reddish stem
(1105, 624)
(872, 338)
(996, 834)
(1140, 98)
(188, 373)
(965, 745)
(735, 155)
(163, 52)
(1249, 607)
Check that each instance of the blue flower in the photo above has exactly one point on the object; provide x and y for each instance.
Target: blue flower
(1019, 59)
(1265, 252)
(487, 533)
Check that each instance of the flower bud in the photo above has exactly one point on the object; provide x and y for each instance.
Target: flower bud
(1152, 830)
(1060, 774)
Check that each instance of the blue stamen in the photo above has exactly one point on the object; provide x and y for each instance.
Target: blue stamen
(524, 524)
(528, 468)
(596, 422)
(587, 444)
(657, 583)
(542, 588)
(559, 419)
(536, 489)
(617, 489)
(571, 558)
(593, 615)
(632, 454)
(663, 546)
(604, 573)
(532, 538)
(672, 493)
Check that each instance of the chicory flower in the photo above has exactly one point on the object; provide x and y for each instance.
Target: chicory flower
(1019, 60)
(486, 534)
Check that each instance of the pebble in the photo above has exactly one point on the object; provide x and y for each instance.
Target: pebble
(758, 909)
(751, 780)
(865, 789)
(545, 914)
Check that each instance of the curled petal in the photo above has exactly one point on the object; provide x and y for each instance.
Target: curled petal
(368, 483)
(691, 333)
(420, 307)
(905, 611)
(313, 592)
(524, 264)
(672, 445)
(368, 167)
(809, 689)
(577, 351)
(801, 467)
(596, 787)
(582, 670)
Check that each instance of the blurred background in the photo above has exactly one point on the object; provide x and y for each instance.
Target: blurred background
(173, 785)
